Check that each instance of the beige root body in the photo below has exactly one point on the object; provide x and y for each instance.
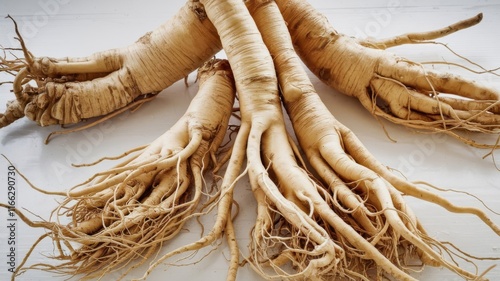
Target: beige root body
(339, 213)
(392, 87)
(262, 138)
(70, 90)
(360, 209)
(128, 212)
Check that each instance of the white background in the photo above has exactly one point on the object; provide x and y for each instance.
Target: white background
(60, 28)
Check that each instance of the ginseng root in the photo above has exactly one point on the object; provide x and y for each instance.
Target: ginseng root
(125, 214)
(338, 214)
(358, 204)
(389, 86)
(68, 90)
(262, 138)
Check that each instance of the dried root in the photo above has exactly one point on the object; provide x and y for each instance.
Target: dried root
(388, 86)
(122, 216)
(356, 204)
(338, 214)
(68, 90)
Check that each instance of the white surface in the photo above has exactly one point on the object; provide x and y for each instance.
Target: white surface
(78, 28)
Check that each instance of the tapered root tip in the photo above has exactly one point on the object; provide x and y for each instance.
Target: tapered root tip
(471, 21)
(479, 17)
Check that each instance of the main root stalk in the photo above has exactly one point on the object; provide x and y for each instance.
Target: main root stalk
(399, 90)
(69, 90)
(262, 138)
(338, 214)
(121, 218)
(362, 211)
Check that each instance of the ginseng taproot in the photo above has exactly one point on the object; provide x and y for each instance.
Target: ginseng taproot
(326, 208)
